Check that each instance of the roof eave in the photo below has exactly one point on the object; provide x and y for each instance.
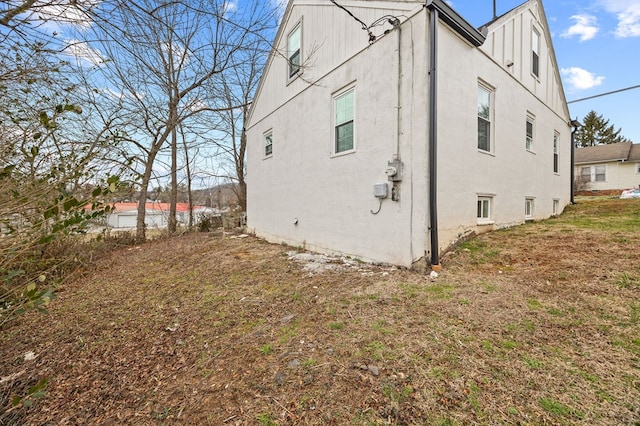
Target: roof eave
(457, 22)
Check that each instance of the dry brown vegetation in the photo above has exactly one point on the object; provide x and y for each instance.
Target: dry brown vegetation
(538, 324)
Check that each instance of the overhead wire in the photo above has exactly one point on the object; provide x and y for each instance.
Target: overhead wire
(372, 38)
(604, 94)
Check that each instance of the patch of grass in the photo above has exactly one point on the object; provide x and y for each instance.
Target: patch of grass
(376, 349)
(627, 280)
(440, 291)
(336, 325)
(411, 290)
(381, 327)
(310, 362)
(555, 311)
(523, 326)
(487, 345)
(394, 395)
(604, 396)
(266, 349)
(559, 409)
(534, 304)
(533, 363)
(479, 251)
(634, 313)
(509, 344)
(288, 332)
(266, 419)
(488, 288)
(588, 376)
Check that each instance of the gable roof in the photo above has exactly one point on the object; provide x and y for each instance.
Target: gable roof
(606, 153)
(547, 35)
(634, 154)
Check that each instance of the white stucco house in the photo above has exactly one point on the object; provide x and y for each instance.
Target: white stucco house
(608, 167)
(390, 130)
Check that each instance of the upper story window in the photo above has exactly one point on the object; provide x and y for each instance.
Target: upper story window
(268, 144)
(556, 140)
(484, 118)
(344, 114)
(294, 50)
(530, 132)
(535, 53)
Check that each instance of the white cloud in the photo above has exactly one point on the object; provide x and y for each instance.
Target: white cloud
(586, 27)
(64, 12)
(628, 14)
(581, 79)
(83, 54)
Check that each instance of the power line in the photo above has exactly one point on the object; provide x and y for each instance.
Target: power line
(604, 94)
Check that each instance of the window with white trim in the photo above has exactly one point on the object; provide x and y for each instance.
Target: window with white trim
(294, 50)
(528, 208)
(556, 207)
(535, 52)
(556, 139)
(585, 174)
(593, 174)
(344, 112)
(485, 96)
(268, 144)
(530, 132)
(484, 209)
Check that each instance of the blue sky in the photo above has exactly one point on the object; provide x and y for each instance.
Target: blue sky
(597, 45)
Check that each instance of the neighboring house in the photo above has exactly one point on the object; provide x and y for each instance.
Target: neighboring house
(607, 167)
(393, 144)
(125, 215)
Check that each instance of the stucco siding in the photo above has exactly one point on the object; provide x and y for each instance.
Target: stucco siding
(329, 39)
(508, 174)
(306, 196)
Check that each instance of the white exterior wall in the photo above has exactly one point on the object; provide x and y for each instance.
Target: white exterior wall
(331, 196)
(618, 176)
(510, 173)
(304, 196)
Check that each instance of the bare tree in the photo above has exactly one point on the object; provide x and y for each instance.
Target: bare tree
(165, 57)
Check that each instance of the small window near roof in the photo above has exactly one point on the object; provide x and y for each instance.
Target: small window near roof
(268, 144)
(535, 53)
(294, 42)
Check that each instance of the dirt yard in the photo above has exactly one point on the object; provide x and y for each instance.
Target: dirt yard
(538, 324)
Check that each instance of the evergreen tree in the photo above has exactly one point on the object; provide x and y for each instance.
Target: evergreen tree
(596, 130)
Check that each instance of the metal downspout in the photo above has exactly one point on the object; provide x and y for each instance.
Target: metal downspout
(433, 137)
